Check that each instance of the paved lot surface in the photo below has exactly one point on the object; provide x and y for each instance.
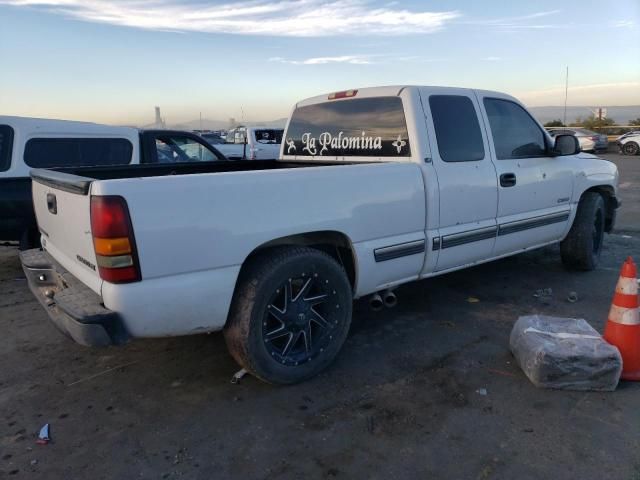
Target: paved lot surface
(401, 401)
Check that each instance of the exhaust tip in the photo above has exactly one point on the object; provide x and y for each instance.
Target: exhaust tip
(390, 299)
(376, 303)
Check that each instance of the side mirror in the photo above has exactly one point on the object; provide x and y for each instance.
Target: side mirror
(566, 145)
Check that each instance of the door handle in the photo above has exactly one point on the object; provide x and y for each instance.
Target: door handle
(507, 180)
(52, 203)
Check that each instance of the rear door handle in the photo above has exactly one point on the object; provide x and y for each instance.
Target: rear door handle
(507, 180)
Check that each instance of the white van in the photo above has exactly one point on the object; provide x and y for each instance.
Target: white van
(27, 143)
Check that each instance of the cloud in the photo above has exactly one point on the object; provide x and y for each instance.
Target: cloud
(353, 59)
(623, 24)
(302, 18)
(522, 22)
(492, 59)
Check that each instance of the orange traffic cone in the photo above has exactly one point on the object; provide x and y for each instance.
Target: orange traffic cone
(623, 326)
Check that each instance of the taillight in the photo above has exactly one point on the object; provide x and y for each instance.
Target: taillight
(113, 240)
(344, 94)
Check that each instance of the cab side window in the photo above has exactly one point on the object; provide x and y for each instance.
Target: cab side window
(515, 133)
(457, 128)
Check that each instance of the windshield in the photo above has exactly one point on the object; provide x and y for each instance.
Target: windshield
(365, 127)
(269, 135)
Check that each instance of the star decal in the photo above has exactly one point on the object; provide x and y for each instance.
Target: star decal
(399, 143)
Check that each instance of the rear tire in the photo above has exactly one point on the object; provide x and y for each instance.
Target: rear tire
(290, 314)
(580, 250)
(630, 148)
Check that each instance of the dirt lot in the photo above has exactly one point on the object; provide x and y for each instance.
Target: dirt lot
(401, 401)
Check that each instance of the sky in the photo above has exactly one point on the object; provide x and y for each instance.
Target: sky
(112, 61)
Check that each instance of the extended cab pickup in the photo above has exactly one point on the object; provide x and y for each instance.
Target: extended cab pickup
(27, 143)
(374, 188)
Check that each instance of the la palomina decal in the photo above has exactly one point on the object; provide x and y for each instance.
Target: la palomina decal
(319, 145)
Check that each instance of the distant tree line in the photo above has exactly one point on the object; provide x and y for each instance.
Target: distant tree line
(592, 123)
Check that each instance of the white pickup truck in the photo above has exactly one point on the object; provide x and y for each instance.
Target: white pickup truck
(251, 143)
(374, 188)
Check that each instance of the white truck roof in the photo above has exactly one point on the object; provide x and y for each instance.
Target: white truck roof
(53, 126)
(393, 90)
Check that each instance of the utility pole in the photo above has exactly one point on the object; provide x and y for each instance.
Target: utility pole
(200, 122)
(566, 92)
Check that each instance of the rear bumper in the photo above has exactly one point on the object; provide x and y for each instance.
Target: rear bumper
(75, 310)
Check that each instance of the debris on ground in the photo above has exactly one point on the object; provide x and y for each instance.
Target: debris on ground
(572, 297)
(238, 376)
(543, 292)
(473, 300)
(564, 353)
(43, 436)
(482, 391)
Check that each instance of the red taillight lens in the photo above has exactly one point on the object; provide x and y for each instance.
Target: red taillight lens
(109, 217)
(113, 240)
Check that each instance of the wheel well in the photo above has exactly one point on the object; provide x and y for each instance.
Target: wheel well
(336, 244)
(608, 195)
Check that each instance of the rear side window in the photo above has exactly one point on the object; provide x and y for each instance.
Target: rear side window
(363, 127)
(77, 152)
(269, 135)
(515, 133)
(457, 128)
(6, 144)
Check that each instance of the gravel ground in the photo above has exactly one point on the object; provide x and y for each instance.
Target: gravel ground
(400, 401)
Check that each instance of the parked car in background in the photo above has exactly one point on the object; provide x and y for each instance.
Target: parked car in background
(252, 143)
(589, 141)
(373, 188)
(27, 143)
(629, 143)
(628, 134)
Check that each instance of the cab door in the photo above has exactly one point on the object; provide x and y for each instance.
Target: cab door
(534, 188)
(466, 177)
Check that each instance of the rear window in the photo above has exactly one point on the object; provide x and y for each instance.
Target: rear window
(362, 127)
(269, 135)
(6, 143)
(77, 152)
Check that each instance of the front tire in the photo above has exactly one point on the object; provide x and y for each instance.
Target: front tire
(580, 250)
(290, 315)
(630, 148)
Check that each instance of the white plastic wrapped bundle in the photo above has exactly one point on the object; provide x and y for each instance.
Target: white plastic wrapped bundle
(564, 353)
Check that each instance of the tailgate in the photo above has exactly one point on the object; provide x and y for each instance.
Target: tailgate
(62, 205)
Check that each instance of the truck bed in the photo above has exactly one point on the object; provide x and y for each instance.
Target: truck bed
(78, 179)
